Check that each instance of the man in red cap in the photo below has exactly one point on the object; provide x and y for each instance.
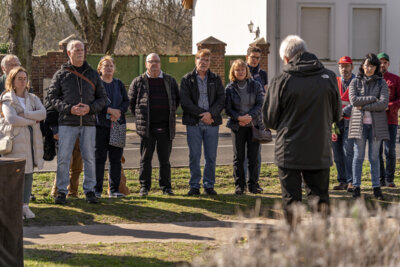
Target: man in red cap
(342, 146)
(393, 82)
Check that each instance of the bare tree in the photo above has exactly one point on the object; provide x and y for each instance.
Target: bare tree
(99, 24)
(22, 31)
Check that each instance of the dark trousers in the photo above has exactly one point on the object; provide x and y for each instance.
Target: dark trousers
(157, 138)
(114, 158)
(240, 140)
(389, 147)
(316, 184)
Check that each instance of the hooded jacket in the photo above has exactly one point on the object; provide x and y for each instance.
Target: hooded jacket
(301, 104)
(67, 89)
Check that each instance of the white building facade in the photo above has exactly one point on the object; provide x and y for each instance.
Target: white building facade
(332, 29)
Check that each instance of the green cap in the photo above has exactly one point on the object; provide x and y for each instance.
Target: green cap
(383, 55)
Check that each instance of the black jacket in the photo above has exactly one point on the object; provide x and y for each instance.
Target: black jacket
(139, 103)
(301, 104)
(190, 98)
(67, 89)
(232, 103)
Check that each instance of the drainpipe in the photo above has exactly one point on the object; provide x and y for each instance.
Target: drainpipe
(277, 36)
(141, 64)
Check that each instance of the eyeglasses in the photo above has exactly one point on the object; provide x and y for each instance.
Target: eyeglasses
(253, 57)
(154, 61)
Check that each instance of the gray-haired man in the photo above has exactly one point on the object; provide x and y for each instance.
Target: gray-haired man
(7, 64)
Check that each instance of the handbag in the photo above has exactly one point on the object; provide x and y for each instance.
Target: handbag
(117, 134)
(6, 137)
(261, 136)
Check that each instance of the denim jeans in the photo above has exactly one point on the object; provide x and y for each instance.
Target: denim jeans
(373, 156)
(390, 155)
(67, 137)
(158, 138)
(343, 153)
(196, 137)
(114, 157)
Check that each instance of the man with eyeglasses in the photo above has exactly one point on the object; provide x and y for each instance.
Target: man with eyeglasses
(7, 64)
(202, 100)
(153, 100)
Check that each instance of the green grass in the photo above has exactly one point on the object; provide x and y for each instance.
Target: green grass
(118, 254)
(159, 208)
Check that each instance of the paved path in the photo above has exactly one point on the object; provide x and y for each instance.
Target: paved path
(204, 231)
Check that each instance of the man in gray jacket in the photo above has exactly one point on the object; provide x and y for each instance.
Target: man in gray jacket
(301, 104)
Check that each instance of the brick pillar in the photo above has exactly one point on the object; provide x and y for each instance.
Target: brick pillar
(264, 46)
(217, 49)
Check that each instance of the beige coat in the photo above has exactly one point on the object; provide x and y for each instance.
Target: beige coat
(20, 119)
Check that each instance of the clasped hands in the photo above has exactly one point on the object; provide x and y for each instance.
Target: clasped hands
(244, 120)
(80, 109)
(206, 118)
(115, 114)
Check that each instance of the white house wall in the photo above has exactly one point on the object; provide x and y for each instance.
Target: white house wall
(227, 21)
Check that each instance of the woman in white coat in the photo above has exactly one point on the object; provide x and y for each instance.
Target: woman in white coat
(23, 111)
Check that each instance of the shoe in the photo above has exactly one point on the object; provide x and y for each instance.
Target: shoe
(254, 190)
(378, 193)
(116, 195)
(60, 198)
(391, 185)
(194, 192)
(239, 191)
(143, 192)
(341, 186)
(210, 191)
(350, 188)
(168, 192)
(259, 189)
(91, 198)
(97, 194)
(27, 213)
(357, 192)
(33, 198)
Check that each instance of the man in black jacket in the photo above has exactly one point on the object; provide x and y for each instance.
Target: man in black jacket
(153, 100)
(301, 104)
(77, 94)
(202, 101)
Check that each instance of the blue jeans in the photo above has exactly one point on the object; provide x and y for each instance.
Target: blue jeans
(343, 153)
(373, 156)
(390, 154)
(196, 136)
(87, 141)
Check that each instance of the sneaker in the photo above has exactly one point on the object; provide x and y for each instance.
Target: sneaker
(168, 192)
(143, 192)
(60, 198)
(33, 198)
(357, 192)
(194, 192)
(210, 191)
(378, 193)
(27, 213)
(239, 191)
(91, 198)
(97, 194)
(116, 195)
(341, 186)
(391, 185)
(350, 188)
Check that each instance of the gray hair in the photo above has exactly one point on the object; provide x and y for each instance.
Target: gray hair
(71, 44)
(7, 58)
(150, 55)
(291, 46)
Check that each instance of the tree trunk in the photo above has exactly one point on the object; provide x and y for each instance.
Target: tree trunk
(22, 31)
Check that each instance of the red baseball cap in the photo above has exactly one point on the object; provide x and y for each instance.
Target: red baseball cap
(345, 60)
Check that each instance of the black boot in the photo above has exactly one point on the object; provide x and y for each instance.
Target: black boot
(378, 193)
(356, 192)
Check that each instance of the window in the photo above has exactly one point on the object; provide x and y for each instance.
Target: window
(315, 30)
(366, 31)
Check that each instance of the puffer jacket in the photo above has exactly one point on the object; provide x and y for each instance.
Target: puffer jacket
(67, 89)
(372, 95)
(301, 104)
(20, 119)
(138, 95)
(232, 103)
(190, 95)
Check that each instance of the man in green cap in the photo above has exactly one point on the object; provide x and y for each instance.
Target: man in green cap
(393, 82)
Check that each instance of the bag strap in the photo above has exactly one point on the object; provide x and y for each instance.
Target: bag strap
(82, 77)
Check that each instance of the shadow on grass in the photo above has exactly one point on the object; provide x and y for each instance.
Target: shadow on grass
(46, 257)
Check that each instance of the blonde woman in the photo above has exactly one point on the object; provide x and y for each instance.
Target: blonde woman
(244, 99)
(24, 111)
